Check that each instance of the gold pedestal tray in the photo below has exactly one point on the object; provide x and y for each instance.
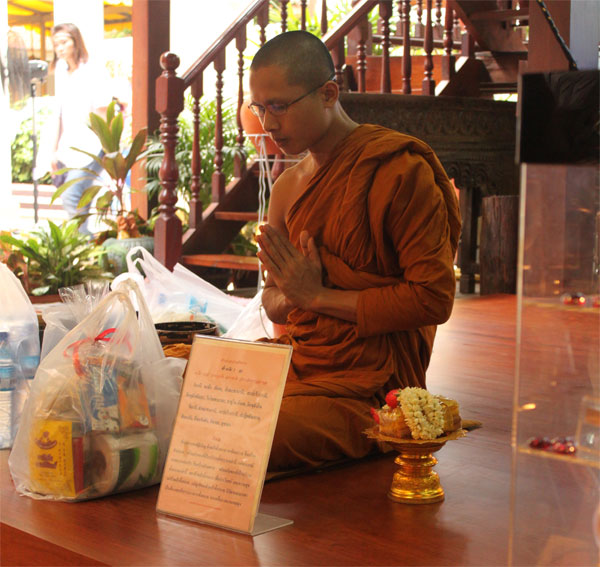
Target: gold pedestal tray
(415, 482)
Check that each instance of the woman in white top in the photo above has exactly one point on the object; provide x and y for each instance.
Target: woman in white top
(80, 89)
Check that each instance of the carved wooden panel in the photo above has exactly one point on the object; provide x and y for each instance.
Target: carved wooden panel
(474, 139)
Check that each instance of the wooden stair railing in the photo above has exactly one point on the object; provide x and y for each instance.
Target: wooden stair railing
(170, 91)
(351, 44)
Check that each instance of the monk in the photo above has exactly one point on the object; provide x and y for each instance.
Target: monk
(358, 250)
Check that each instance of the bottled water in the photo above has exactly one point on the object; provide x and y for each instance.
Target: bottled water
(25, 345)
(27, 350)
(7, 391)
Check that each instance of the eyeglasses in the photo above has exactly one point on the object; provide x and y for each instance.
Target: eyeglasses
(280, 108)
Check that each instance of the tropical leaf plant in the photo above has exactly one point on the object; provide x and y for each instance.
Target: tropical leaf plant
(15, 261)
(115, 163)
(21, 150)
(57, 256)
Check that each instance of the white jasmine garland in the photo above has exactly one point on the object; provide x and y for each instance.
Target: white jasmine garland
(423, 413)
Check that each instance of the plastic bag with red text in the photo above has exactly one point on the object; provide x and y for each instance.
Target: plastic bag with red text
(101, 410)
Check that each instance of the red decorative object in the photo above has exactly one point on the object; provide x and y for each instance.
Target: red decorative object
(540, 443)
(561, 445)
(391, 399)
(374, 415)
(577, 299)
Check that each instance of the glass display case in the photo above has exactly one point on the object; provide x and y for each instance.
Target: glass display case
(555, 502)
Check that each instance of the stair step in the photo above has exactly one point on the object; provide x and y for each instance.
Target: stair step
(237, 216)
(498, 88)
(28, 192)
(225, 261)
(19, 213)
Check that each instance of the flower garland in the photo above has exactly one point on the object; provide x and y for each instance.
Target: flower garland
(423, 413)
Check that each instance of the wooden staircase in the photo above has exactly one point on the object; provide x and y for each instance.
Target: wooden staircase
(437, 49)
(492, 47)
(204, 247)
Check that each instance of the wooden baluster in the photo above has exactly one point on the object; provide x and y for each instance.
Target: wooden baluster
(438, 28)
(428, 81)
(361, 60)
(438, 13)
(448, 61)
(262, 19)
(195, 201)
(169, 104)
(352, 39)
(303, 15)
(218, 178)
(419, 22)
(339, 58)
(406, 57)
(324, 24)
(385, 13)
(239, 164)
(284, 15)
(400, 24)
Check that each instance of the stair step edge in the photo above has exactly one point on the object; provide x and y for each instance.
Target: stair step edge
(498, 87)
(236, 216)
(224, 261)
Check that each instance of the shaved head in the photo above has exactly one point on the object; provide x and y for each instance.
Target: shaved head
(306, 60)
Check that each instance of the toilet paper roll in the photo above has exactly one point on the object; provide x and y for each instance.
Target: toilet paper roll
(125, 462)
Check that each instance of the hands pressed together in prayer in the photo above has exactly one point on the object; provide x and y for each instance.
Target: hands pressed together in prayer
(297, 273)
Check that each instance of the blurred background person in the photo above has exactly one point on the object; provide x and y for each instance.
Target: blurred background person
(81, 88)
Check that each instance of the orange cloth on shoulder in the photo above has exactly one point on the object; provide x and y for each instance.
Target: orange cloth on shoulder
(385, 217)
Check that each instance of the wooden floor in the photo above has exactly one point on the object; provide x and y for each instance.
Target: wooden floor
(342, 516)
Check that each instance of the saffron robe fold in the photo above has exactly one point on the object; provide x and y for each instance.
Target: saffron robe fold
(385, 218)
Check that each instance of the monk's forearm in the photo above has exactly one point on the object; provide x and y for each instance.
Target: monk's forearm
(386, 309)
(275, 304)
(336, 303)
(404, 306)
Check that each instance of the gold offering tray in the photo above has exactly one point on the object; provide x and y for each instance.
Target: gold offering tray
(415, 482)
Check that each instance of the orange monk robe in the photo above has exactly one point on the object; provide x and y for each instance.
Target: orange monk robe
(385, 218)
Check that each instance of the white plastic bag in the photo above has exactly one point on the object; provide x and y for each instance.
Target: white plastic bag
(59, 320)
(19, 352)
(252, 323)
(101, 410)
(181, 295)
(78, 302)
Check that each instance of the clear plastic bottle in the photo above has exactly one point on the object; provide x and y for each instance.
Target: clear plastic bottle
(26, 348)
(7, 391)
(25, 344)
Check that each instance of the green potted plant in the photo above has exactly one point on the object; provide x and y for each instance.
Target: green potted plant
(127, 227)
(54, 257)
